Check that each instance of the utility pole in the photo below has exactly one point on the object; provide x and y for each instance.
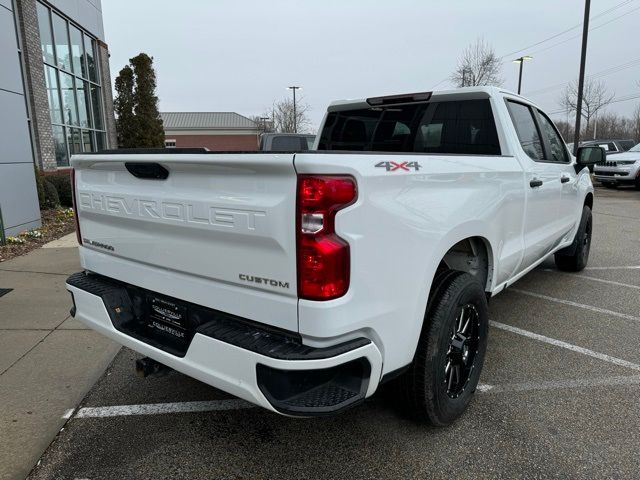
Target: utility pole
(295, 116)
(264, 124)
(583, 59)
(521, 61)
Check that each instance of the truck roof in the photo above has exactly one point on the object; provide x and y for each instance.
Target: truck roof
(452, 94)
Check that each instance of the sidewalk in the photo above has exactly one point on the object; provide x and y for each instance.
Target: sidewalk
(48, 361)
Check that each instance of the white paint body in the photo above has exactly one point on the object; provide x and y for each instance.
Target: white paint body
(219, 216)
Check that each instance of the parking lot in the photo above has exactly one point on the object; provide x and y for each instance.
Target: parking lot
(559, 397)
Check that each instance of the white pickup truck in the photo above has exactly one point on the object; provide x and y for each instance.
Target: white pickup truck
(303, 281)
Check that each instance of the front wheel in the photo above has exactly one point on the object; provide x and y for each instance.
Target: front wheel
(445, 372)
(575, 257)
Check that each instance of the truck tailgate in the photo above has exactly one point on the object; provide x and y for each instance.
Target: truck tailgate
(222, 226)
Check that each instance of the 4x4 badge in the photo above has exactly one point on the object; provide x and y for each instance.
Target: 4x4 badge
(395, 166)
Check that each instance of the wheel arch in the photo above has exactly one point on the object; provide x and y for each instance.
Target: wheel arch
(473, 255)
(588, 200)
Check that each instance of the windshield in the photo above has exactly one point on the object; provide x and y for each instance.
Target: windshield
(635, 149)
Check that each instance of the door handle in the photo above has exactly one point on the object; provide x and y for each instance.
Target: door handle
(535, 183)
(565, 179)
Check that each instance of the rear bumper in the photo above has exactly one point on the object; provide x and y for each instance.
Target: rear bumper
(273, 371)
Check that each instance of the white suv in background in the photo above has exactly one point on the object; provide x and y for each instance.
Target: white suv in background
(621, 169)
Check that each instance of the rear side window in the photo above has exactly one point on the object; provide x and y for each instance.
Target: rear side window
(465, 127)
(526, 128)
(558, 151)
(289, 144)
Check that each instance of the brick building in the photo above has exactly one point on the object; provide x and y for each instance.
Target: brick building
(217, 131)
(55, 96)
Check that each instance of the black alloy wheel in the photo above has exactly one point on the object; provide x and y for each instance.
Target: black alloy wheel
(463, 349)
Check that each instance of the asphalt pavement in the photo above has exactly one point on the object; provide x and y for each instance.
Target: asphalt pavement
(559, 398)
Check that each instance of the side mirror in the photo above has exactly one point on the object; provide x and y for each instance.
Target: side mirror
(587, 156)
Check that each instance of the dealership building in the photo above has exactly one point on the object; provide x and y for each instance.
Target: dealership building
(55, 96)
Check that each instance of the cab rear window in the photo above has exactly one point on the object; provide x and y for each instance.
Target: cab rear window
(459, 127)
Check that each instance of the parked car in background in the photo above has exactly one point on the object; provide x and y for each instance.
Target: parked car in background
(286, 142)
(623, 169)
(612, 147)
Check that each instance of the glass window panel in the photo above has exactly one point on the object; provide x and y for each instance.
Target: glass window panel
(95, 105)
(75, 140)
(68, 99)
(558, 148)
(77, 51)
(91, 58)
(87, 141)
(526, 130)
(53, 94)
(60, 145)
(62, 42)
(46, 39)
(100, 141)
(83, 102)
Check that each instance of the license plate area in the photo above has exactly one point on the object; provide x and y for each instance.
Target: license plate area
(167, 316)
(163, 322)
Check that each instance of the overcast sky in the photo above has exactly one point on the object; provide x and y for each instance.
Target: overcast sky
(240, 55)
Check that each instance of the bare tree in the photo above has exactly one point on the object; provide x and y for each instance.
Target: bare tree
(566, 129)
(478, 66)
(595, 97)
(264, 122)
(282, 116)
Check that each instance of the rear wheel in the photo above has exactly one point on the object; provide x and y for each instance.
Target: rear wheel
(445, 372)
(575, 257)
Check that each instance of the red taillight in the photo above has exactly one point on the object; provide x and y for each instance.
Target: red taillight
(323, 257)
(75, 205)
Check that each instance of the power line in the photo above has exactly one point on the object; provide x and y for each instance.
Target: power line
(579, 35)
(615, 7)
(624, 98)
(601, 73)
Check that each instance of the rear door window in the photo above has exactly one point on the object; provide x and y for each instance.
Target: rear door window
(558, 151)
(285, 143)
(463, 127)
(527, 130)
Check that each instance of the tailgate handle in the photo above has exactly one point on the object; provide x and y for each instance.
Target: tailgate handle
(150, 171)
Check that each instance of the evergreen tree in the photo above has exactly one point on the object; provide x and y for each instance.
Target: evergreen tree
(123, 105)
(139, 124)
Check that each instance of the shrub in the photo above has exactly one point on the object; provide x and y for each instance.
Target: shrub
(39, 187)
(51, 199)
(62, 182)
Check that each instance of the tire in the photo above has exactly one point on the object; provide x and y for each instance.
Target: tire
(575, 257)
(432, 390)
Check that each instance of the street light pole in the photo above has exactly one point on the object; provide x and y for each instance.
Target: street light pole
(521, 62)
(295, 117)
(583, 60)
